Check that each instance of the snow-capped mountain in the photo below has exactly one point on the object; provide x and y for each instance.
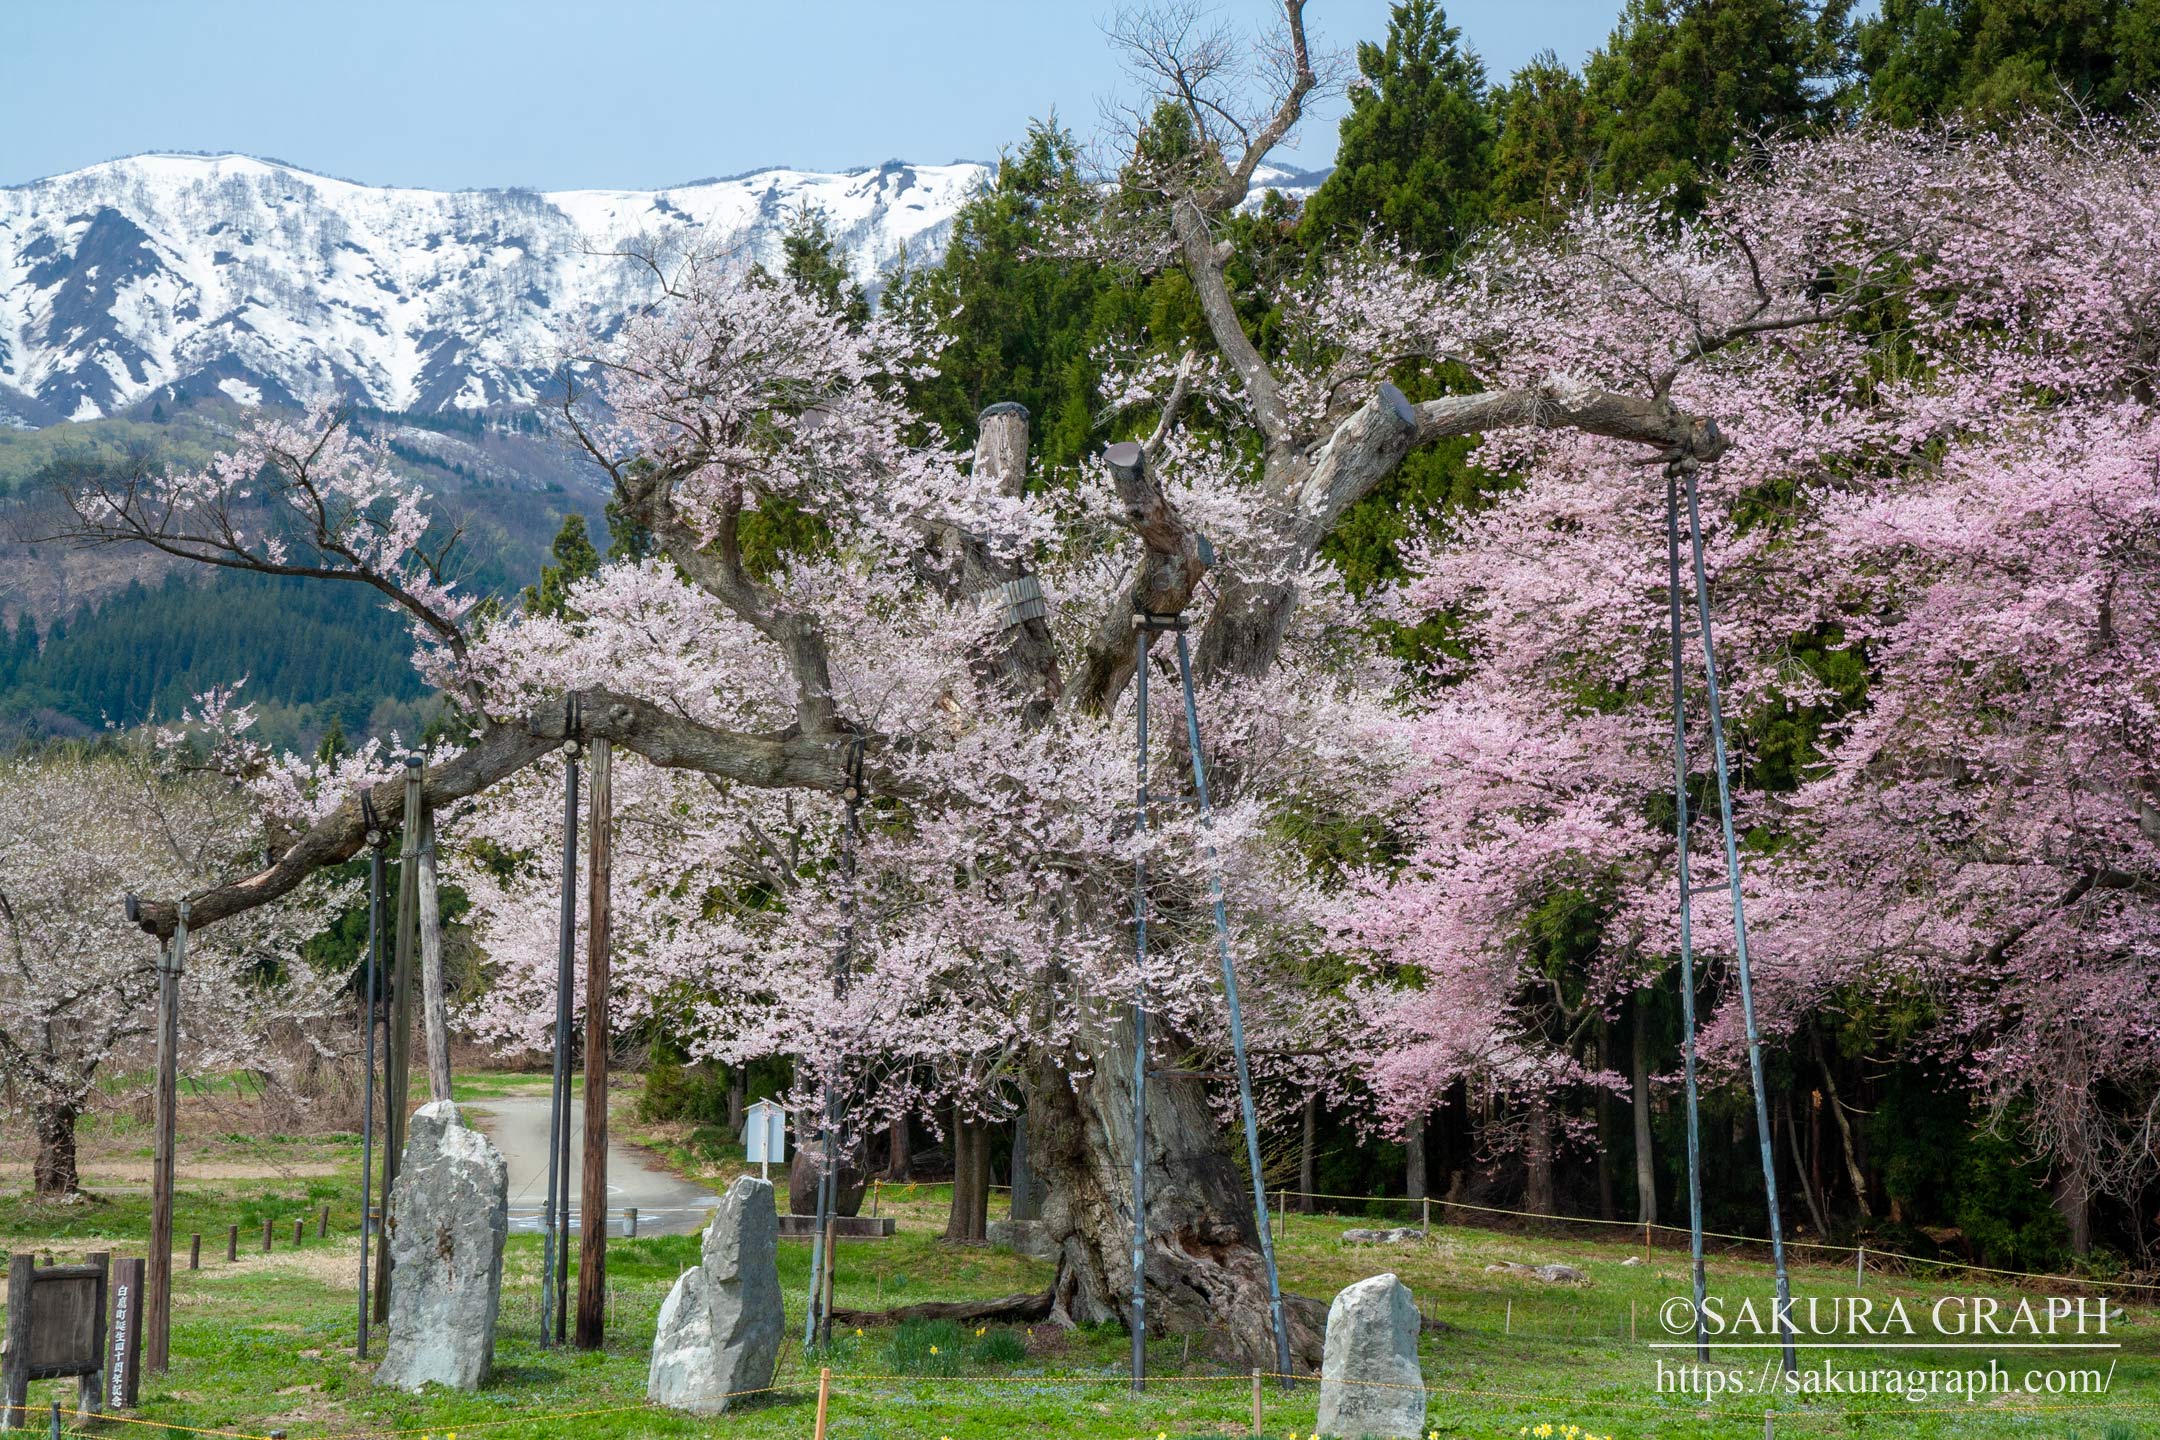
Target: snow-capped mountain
(181, 274)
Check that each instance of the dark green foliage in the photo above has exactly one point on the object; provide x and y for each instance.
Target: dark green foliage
(574, 560)
(1944, 1166)
(1547, 148)
(1991, 60)
(1683, 86)
(1019, 322)
(1415, 157)
(812, 262)
(309, 650)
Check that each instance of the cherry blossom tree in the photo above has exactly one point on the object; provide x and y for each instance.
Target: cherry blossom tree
(78, 983)
(1954, 486)
(991, 883)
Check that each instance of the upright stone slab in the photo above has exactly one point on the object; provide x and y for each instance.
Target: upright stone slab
(449, 1214)
(720, 1329)
(1370, 1384)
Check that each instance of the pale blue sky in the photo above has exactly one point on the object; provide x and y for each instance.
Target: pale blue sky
(630, 93)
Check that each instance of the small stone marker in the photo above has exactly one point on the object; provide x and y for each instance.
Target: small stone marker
(720, 1329)
(1370, 1384)
(449, 1215)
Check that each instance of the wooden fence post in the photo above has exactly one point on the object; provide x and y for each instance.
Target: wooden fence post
(322, 1224)
(269, 1226)
(232, 1244)
(824, 1396)
(194, 1252)
(1256, 1402)
(299, 1231)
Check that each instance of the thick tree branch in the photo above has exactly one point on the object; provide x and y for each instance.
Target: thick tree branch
(787, 761)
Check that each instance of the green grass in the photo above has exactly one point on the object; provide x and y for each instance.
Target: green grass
(267, 1343)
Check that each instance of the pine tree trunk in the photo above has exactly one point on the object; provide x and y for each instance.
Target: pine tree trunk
(900, 1159)
(1606, 1208)
(1414, 1150)
(1308, 1160)
(1538, 1159)
(1202, 1259)
(54, 1173)
(968, 1221)
(1645, 1160)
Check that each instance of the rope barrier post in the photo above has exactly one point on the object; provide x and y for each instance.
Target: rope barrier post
(1763, 1132)
(1859, 1267)
(629, 1223)
(1258, 1404)
(1507, 1326)
(322, 1224)
(269, 1229)
(824, 1398)
(194, 1252)
(232, 1244)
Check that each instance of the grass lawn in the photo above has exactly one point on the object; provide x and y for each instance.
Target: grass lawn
(266, 1344)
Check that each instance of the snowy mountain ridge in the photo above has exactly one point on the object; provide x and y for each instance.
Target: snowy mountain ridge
(167, 277)
(163, 273)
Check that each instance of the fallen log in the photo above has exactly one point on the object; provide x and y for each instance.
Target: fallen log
(1018, 1308)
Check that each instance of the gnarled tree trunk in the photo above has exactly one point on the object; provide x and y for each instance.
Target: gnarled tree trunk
(1201, 1258)
(53, 1172)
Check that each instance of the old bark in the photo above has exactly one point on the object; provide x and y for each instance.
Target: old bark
(1414, 1154)
(1202, 1257)
(53, 1172)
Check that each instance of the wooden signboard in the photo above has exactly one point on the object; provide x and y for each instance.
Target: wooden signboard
(55, 1327)
(123, 1349)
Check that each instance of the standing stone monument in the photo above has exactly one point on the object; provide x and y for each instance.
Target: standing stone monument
(1370, 1385)
(720, 1329)
(449, 1214)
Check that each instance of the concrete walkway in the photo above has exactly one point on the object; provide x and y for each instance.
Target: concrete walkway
(666, 1203)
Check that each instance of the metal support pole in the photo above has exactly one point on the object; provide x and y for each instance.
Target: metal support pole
(817, 1318)
(1740, 950)
(1237, 1019)
(1687, 941)
(552, 1276)
(1141, 637)
(369, 988)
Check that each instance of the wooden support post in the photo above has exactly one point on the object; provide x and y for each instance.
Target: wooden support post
(269, 1230)
(1425, 1215)
(824, 1398)
(592, 1203)
(629, 1223)
(1859, 1267)
(194, 1252)
(1257, 1406)
(322, 1224)
(157, 1319)
(299, 1231)
(1508, 1326)
(232, 1244)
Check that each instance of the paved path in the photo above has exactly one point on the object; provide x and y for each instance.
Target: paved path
(666, 1203)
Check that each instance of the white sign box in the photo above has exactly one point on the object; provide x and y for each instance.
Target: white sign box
(765, 1133)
